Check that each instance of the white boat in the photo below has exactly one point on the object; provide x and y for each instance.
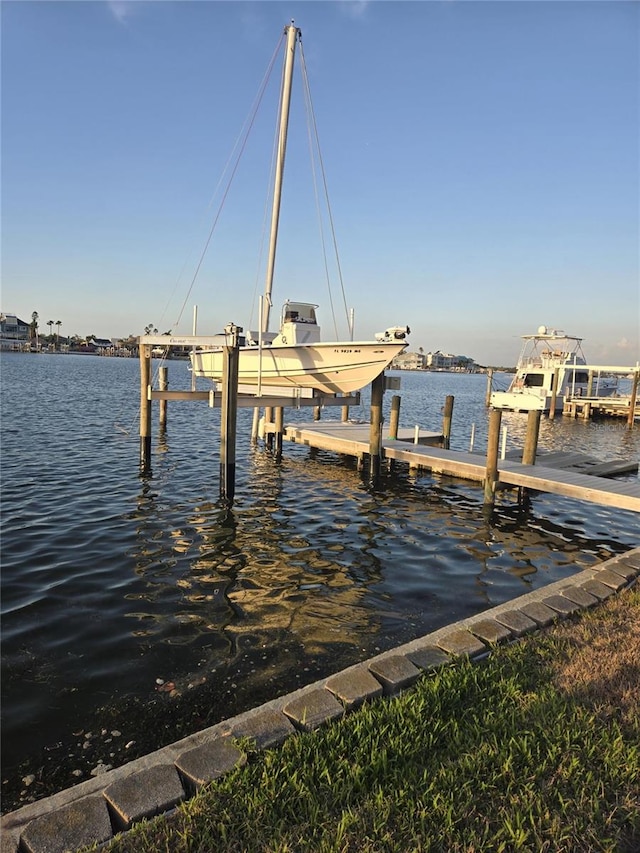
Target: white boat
(296, 356)
(546, 354)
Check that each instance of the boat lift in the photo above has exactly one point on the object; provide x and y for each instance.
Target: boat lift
(230, 397)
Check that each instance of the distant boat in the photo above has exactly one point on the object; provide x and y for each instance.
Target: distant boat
(296, 357)
(542, 354)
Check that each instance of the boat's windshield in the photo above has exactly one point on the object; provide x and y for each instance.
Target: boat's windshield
(299, 312)
(533, 380)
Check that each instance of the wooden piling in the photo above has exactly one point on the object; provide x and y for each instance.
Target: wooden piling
(145, 407)
(375, 429)
(344, 414)
(268, 419)
(554, 393)
(491, 477)
(255, 425)
(317, 413)
(487, 396)
(279, 412)
(228, 414)
(163, 385)
(531, 438)
(394, 417)
(393, 425)
(632, 399)
(446, 421)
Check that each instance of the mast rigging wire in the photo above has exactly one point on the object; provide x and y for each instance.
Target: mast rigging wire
(240, 144)
(312, 126)
(233, 163)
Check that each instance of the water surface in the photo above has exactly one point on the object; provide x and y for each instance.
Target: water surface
(113, 582)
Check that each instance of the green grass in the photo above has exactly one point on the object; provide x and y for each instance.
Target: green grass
(495, 756)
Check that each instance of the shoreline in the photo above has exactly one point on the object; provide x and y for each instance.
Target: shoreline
(309, 707)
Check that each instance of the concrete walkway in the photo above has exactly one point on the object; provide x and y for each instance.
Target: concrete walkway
(95, 810)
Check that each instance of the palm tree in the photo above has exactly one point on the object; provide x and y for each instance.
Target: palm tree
(33, 328)
(50, 325)
(58, 324)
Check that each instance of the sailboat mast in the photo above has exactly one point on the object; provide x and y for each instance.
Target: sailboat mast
(285, 99)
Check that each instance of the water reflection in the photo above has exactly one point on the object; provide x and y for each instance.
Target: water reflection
(122, 580)
(248, 571)
(380, 562)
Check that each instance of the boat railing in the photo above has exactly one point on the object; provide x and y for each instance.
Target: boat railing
(531, 361)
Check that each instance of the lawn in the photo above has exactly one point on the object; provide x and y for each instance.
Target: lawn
(536, 748)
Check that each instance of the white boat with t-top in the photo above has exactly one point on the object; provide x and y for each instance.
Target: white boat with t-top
(296, 356)
(550, 360)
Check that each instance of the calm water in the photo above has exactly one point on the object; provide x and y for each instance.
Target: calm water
(112, 582)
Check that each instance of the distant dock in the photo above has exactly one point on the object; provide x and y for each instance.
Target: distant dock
(603, 407)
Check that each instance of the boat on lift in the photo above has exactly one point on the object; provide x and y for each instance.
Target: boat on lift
(551, 369)
(296, 357)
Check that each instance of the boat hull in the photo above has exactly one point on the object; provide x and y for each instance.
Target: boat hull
(330, 368)
(513, 401)
(541, 399)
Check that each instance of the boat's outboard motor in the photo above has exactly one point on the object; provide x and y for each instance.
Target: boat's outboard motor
(394, 333)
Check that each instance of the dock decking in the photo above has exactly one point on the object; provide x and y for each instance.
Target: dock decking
(601, 407)
(353, 440)
(571, 484)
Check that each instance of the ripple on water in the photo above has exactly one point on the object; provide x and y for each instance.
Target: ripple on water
(111, 581)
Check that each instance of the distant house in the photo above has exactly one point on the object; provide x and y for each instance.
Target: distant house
(434, 361)
(463, 362)
(102, 344)
(447, 361)
(409, 361)
(14, 332)
(439, 360)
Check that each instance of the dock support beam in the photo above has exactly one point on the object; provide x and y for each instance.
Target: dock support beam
(229, 413)
(145, 409)
(375, 430)
(491, 478)
(554, 393)
(487, 396)
(632, 400)
(268, 419)
(394, 417)
(279, 431)
(531, 439)
(255, 425)
(163, 385)
(446, 421)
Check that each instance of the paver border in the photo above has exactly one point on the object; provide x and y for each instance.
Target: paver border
(312, 706)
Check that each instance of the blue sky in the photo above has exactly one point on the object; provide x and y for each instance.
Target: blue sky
(482, 162)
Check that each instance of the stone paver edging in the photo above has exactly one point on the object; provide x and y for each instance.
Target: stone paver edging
(97, 809)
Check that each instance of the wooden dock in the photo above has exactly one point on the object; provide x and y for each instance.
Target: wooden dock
(602, 407)
(558, 477)
(352, 439)
(585, 487)
(364, 441)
